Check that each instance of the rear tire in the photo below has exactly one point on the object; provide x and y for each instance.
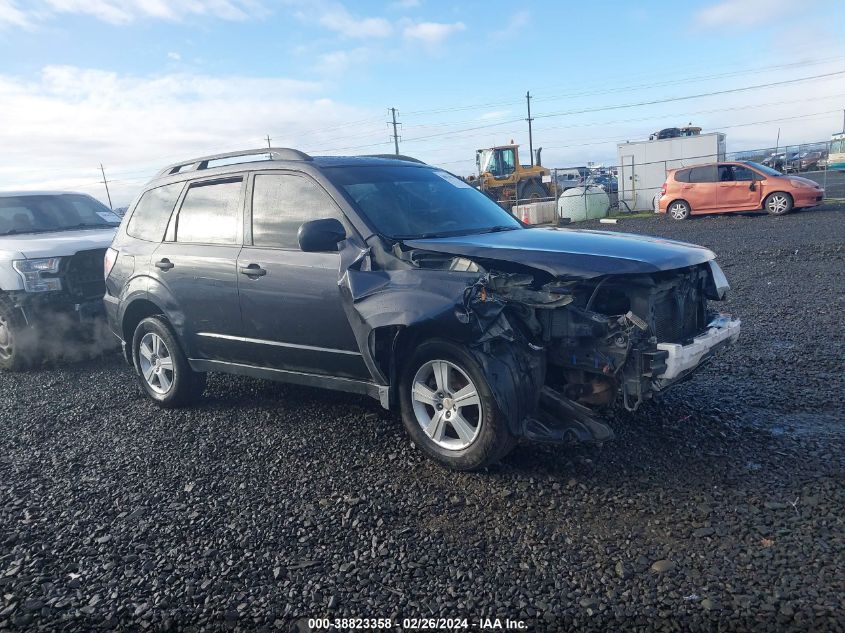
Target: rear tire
(778, 203)
(443, 379)
(162, 368)
(678, 210)
(16, 351)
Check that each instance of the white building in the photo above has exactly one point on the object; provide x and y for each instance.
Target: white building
(643, 164)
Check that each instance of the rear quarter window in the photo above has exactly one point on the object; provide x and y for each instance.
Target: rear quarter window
(682, 175)
(152, 213)
(707, 173)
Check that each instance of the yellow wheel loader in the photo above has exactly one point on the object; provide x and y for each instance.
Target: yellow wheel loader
(505, 180)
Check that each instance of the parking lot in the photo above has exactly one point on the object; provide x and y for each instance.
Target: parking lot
(718, 508)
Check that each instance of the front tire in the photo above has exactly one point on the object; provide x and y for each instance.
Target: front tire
(449, 410)
(678, 210)
(778, 203)
(163, 371)
(533, 190)
(15, 353)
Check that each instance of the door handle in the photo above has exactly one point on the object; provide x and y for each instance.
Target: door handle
(164, 264)
(253, 270)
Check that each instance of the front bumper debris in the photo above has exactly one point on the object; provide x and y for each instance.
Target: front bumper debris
(682, 359)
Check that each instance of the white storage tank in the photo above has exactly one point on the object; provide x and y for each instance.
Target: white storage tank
(583, 203)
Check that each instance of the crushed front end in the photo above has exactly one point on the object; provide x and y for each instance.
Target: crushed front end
(616, 339)
(561, 336)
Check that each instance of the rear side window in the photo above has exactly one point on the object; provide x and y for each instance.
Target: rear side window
(149, 220)
(703, 174)
(682, 175)
(281, 203)
(210, 213)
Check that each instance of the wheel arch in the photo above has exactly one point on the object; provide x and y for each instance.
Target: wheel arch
(674, 200)
(137, 310)
(774, 193)
(392, 346)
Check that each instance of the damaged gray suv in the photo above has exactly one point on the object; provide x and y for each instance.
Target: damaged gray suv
(388, 277)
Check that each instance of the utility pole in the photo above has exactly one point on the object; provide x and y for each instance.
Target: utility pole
(268, 142)
(106, 183)
(395, 133)
(530, 137)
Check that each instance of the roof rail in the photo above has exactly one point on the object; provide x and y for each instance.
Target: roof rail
(409, 159)
(196, 164)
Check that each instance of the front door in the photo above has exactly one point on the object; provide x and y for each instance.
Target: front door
(738, 188)
(197, 266)
(290, 300)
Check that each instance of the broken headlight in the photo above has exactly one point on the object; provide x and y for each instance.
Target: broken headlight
(33, 270)
(717, 285)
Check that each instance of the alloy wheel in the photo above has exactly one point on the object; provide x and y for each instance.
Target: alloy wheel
(447, 405)
(778, 204)
(156, 363)
(678, 211)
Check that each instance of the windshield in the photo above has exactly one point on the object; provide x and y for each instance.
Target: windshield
(763, 169)
(405, 202)
(53, 212)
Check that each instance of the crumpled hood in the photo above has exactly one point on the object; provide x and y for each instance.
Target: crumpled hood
(57, 244)
(569, 252)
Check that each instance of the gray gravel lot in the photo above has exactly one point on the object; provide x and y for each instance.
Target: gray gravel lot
(718, 508)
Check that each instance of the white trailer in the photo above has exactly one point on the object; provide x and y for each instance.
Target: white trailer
(643, 164)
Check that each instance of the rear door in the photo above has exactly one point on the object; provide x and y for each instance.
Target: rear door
(702, 189)
(738, 190)
(197, 265)
(290, 300)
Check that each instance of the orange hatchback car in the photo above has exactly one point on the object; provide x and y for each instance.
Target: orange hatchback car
(736, 186)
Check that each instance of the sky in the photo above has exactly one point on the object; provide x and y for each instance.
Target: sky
(137, 84)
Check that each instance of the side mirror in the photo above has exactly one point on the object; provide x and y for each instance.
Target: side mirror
(318, 236)
(752, 186)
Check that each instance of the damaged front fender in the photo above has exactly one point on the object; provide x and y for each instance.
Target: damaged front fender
(491, 313)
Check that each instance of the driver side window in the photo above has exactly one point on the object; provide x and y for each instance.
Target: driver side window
(281, 203)
(744, 174)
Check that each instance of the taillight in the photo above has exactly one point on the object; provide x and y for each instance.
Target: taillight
(663, 189)
(108, 262)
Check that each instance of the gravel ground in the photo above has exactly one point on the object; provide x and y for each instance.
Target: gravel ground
(718, 508)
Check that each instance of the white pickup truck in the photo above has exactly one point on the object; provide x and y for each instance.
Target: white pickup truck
(52, 246)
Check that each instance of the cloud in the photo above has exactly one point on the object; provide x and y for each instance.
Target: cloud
(432, 33)
(514, 25)
(405, 4)
(11, 15)
(336, 18)
(174, 56)
(69, 119)
(337, 62)
(733, 13)
(126, 11)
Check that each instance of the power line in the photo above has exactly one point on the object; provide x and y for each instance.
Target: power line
(695, 96)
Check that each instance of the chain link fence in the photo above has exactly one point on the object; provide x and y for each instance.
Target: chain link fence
(603, 190)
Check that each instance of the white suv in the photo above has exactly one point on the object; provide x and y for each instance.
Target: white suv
(52, 246)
